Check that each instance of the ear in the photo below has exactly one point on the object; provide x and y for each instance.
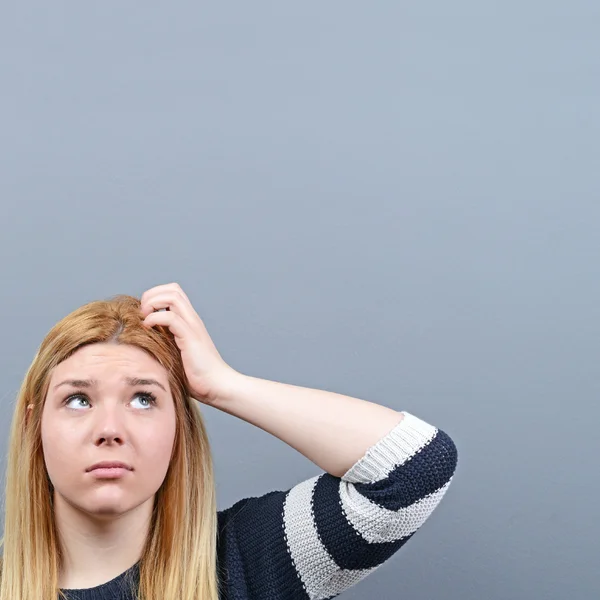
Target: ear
(28, 413)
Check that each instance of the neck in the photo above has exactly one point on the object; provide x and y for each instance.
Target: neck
(95, 549)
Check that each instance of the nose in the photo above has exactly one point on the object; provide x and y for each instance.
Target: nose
(109, 438)
(109, 428)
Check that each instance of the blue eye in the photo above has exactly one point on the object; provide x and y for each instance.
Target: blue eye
(75, 397)
(148, 397)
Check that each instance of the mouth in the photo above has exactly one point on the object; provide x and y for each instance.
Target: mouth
(109, 465)
(113, 473)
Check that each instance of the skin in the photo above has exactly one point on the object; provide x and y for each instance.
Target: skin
(104, 522)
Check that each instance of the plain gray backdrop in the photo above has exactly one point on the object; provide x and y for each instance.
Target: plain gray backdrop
(395, 201)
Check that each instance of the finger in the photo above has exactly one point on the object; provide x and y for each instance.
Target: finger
(175, 303)
(165, 299)
(161, 289)
(169, 319)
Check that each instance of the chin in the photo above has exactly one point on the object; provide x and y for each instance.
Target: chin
(101, 504)
(106, 509)
(105, 512)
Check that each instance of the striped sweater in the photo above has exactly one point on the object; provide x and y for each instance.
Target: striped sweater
(327, 533)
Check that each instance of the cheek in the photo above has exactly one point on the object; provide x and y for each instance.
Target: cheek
(155, 445)
(153, 457)
(58, 442)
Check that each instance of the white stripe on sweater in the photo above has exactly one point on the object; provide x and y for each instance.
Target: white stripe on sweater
(378, 525)
(314, 565)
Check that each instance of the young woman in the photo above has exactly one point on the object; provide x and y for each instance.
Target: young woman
(110, 492)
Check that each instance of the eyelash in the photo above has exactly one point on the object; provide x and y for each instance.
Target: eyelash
(149, 395)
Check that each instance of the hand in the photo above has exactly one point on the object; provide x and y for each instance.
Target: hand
(208, 374)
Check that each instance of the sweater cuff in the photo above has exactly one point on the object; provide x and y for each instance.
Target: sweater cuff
(407, 438)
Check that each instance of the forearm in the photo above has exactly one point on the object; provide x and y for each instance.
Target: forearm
(330, 429)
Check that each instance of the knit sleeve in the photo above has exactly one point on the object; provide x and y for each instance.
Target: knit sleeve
(327, 533)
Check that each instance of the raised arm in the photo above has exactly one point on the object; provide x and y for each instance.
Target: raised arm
(330, 429)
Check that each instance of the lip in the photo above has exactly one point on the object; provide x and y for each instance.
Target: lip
(112, 473)
(109, 466)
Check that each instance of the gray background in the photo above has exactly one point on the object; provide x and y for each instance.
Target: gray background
(389, 200)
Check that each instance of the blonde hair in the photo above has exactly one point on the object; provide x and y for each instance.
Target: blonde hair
(179, 559)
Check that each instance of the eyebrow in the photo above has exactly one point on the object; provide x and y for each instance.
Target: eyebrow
(87, 383)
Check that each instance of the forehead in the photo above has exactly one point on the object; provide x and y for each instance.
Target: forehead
(110, 357)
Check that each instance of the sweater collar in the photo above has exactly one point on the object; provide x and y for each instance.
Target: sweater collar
(123, 586)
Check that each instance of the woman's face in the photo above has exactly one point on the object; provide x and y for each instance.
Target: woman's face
(98, 408)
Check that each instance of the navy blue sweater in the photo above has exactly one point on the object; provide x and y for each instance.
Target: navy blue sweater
(325, 534)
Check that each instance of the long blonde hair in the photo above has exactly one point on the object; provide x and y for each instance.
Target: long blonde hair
(179, 559)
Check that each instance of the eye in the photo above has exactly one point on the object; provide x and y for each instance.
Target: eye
(148, 398)
(76, 397)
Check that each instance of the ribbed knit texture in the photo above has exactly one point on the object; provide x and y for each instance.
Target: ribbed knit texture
(325, 534)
